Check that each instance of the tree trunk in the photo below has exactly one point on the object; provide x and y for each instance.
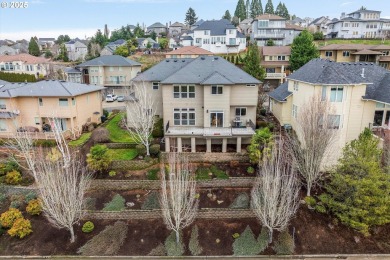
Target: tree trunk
(72, 237)
(177, 237)
(270, 233)
(308, 190)
(147, 149)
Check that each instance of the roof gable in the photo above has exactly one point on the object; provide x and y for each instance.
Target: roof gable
(110, 60)
(218, 27)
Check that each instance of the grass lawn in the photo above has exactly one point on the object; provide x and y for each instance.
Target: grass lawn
(117, 134)
(354, 41)
(82, 140)
(122, 154)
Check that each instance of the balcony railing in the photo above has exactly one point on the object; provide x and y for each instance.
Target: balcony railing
(275, 75)
(117, 82)
(269, 35)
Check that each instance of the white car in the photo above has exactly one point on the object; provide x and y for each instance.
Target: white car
(111, 98)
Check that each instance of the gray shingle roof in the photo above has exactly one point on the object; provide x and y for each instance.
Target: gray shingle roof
(110, 60)
(156, 25)
(3, 82)
(47, 88)
(72, 71)
(216, 27)
(202, 70)
(281, 93)
(323, 72)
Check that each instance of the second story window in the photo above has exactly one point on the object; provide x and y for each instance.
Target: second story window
(217, 90)
(155, 85)
(281, 57)
(328, 53)
(73, 101)
(206, 32)
(295, 111)
(2, 104)
(184, 91)
(296, 85)
(336, 94)
(345, 53)
(40, 101)
(262, 23)
(323, 93)
(63, 102)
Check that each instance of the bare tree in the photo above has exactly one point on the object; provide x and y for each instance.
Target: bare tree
(60, 177)
(275, 191)
(312, 142)
(178, 199)
(141, 113)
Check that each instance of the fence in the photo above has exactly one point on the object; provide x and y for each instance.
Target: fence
(240, 182)
(212, 157)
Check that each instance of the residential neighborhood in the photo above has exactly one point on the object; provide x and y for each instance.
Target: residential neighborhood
(181, 129)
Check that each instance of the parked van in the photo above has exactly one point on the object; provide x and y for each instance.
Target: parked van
(111, 98)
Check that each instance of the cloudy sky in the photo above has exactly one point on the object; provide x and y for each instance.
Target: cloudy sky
(81, 18)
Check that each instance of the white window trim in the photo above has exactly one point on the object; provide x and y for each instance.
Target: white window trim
(154, 84)
(180, 92)
(182, 111)
(217, 87)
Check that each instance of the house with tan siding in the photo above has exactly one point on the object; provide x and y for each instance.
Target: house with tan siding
(358, 91)
(33, 104)
(24, 63)
(205, 101)
(276, 61)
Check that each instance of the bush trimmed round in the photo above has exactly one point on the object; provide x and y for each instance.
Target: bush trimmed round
(88, 227)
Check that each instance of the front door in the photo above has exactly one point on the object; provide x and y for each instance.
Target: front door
(216, 119)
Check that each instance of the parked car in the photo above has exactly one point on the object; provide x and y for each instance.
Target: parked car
(111, 98)
(121, 98)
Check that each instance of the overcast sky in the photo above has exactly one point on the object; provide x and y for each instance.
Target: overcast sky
(81, 18)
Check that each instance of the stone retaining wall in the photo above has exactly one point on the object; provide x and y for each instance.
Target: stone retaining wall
(212, 157)
(153, 214)
(146, 184)
(133, 165)
(119, 145)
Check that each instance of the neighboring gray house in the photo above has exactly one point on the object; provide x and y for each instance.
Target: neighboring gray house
(158, 28)
(73, 75)
(359, 24)
(245, 26)
(205, 101)
(143, 43)
(176, 29)
(6, 50)
(195, 25)
(320, 24)
(273, 27)
(110, 48)
(76, 50)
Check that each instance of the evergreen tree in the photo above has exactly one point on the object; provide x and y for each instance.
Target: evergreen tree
(270, 42)
(252, 62)
(269, 7)
(138, 31)
(359, 191)
(100, 39)
(63, 53)
(247, 9)
(240, 10)
(235, 20)
(285, 13)
(227, 15)
(255, 8)
(261, 7)
(33, 47)
(190, 17)
(302, 50)
(279, 9)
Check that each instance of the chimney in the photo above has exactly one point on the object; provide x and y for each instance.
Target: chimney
(362, 73)
(169, 23)
(342, 15)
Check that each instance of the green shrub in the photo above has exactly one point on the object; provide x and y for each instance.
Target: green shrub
(151, 201)
(246, 244)
(263, 239)
(45, 143)
(8, 218)
(172, 248)
(152, 174)
(112, 173)
(202, 173)
(90, 203)
(159, 250)
(116, 204)
(3, 198)
(236, 235)
(271, 126)
(98, 158)
(285, 244)
(34, 207)
(240, 202)
(141, 149)
(158, 129)
(101, 135)
(30, 196)
(20, 228)
(15, 204)
(193, 244)
(250, 170)
(154, 149)
(310, 201)
(13, 178)
(9, 166)
(320, 208)
(219, 174)
(88, 227)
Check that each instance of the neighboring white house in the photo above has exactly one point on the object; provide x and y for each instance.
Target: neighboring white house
(273, 27)
(76, 50)
(219, 36)
(359, 24)
(24, 63)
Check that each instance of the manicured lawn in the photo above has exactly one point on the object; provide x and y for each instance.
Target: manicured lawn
(82, 140)
(354, 41)
(117, 134)
(122, 154)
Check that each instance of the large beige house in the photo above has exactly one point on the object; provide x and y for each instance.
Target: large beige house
(31, 105)
(205, 101)
(276, 61)
(359, 93)
(24, 63)
(378, 54)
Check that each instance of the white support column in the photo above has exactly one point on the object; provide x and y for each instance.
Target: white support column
(208, 144)
(224, 145)
(193, 144)
(179, 145)
(167, 145)
(239, 144)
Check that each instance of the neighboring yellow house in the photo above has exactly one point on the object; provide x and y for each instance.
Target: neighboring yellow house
(203, 101)
(188, 52)
(359, 93)
(24, 63)
(31, 105)
(378, 54)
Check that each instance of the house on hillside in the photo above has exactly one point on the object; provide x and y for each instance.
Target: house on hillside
(176, 29)
(378, 54)
(319, 24)
(76, 50)
(111, 71)
(359, 24)
(245, 26)
(24, 63)
(110, 48)
(158, 28)
(31, 105)
(188, 52)
(358, 91)
(6, 50)
(276, 61)
(273, 27)
(205, 101)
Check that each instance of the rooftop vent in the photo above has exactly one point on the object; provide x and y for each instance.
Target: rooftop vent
(167, 60)
(175, 61)
(183, 61)
(216, 58)
(202, 58)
